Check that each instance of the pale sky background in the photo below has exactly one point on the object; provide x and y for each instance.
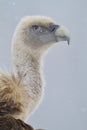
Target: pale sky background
(64, 106)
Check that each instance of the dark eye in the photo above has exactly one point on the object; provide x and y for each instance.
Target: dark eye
(35, 27)
(39, 29)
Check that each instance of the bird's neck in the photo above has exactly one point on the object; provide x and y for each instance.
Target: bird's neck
(28, 67)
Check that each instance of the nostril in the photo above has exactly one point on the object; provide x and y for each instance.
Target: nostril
(53, 27)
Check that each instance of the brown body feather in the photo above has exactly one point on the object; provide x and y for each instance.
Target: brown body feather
(13, 96)
(10, 123)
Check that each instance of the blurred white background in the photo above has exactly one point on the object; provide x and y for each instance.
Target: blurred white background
(65, 68)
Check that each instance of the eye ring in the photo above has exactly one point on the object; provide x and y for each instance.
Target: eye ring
(39, 29)
(35, 27)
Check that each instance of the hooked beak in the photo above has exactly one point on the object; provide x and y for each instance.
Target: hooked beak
(61, 33)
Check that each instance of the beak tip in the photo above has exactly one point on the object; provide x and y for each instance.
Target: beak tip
(68, 41)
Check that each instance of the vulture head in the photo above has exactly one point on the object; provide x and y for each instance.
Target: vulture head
(38, 33)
